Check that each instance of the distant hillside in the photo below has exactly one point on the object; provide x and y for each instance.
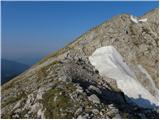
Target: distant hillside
(10, 69)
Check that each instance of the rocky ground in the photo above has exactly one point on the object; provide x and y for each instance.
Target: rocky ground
(66, 85)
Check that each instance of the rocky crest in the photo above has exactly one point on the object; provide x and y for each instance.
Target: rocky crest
(66, 85)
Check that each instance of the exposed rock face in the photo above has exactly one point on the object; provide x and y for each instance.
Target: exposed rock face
(61, 85)
(93, 98)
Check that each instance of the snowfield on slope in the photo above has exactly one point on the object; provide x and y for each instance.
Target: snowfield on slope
(111, 64)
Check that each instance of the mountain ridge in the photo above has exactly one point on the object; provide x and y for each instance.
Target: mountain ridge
(68, 75)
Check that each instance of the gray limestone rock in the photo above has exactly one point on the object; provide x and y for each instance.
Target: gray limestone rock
(93, 98)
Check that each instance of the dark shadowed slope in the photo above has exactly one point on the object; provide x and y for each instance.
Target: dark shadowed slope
(10, 69)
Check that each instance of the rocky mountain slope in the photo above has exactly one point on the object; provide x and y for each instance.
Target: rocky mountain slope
(67, 84)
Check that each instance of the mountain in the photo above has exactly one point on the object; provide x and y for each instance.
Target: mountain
(110, 71)
(11, 69)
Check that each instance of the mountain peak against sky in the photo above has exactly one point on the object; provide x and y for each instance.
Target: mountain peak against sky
(89, 91)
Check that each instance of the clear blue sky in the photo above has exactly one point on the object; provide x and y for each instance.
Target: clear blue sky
(32, 30)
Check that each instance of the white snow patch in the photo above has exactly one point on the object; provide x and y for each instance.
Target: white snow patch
(136, 20)
(143, 20)
(110, 64)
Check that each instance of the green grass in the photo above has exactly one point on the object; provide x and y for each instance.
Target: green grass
(12, 100)
(53, 107)
(42, 72)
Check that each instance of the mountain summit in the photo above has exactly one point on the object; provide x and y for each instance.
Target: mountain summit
(110, 71)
